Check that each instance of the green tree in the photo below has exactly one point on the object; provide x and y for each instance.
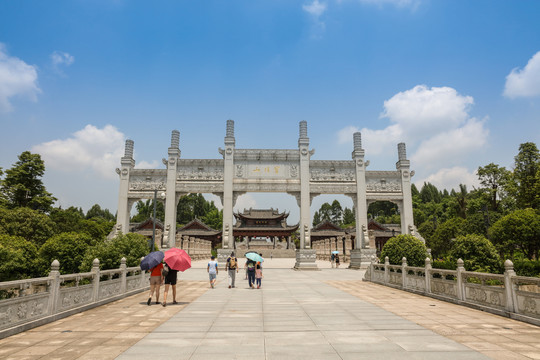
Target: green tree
(477, 253)
(145, 210)
(405, 246)
(336, 213)
(519, 230)
(67, 248)
(23, 187)
(96, 212)
(441, 241)
(18, 258)
(316, 218)
(525, 176)
(494, 180)
(325, 212)
(193, 206)
(349, 217)
(131, 246)
(214, 219)
(29, 224)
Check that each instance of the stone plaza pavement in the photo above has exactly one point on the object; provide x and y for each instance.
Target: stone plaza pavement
(328, 314)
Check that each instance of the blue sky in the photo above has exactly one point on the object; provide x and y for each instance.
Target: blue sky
(457, 81)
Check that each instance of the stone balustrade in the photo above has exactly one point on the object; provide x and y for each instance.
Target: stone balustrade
(197, 249)
(517, 297)
(325, 247)
(29, 303)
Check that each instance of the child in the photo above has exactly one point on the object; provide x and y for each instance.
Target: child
(258, 274)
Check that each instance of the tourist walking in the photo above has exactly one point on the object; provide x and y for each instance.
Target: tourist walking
(156, 279)
(337, 260)
(171, 276)
(232, 269)
(258, 274)
(332, 259)
(212, 269)
(250, 268)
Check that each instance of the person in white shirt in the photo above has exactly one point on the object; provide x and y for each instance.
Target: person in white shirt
(212, 269)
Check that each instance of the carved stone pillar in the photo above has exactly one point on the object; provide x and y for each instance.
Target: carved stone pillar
(171, 196)
(305, 257)
(127, 164)
(403, 166)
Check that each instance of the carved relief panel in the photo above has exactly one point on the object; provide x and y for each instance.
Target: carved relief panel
(152, 179)
(200, 170)
(332, 171)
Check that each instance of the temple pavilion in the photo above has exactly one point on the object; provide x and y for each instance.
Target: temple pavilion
(264, 228)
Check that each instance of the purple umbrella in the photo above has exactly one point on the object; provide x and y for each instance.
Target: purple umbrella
(152, 260)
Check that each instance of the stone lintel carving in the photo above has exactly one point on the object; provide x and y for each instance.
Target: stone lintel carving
(270, 186)
(199, 187)
(332, 188)
(383, 185)
(266, 155)
(199, 170)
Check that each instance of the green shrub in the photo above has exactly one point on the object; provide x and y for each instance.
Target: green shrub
(131, 246)
(477, 253)
(525, 267)
(405, 246)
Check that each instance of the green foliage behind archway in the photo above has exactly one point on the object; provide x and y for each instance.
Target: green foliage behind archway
(405, 246)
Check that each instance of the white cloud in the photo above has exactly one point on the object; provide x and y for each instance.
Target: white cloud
(434, 123)
(452, 146)
(345, 135)
(17, 78)
(451, 178)
(91, 148)
(62, 58)
(426, 110)
(524, 82)
(315, 8)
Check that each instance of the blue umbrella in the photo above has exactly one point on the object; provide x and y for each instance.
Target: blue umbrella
(152, 260)
(254, 256)
(335, 252)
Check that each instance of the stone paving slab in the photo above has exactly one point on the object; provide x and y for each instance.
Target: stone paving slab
(294, 315)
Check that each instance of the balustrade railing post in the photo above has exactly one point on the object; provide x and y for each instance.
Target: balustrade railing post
(141, 277)
(54, 289)
(95, 280)
(460, 283)
(404, 272)
(509, 290)
(386, 270)
(123, 276)
(427, 274)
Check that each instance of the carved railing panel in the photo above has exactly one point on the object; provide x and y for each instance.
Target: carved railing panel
(28, 303)
(508, 294)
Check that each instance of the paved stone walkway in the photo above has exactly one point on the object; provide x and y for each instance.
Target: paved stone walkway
(328, 314)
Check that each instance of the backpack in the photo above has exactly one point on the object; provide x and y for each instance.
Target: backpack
(165, 270)
(232, 263)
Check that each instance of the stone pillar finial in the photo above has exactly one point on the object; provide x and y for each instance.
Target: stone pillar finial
(357, 139)
(129, 149)
(175, 139)
(402, 152)
(55, 265)
(303, 129)
(230, 128)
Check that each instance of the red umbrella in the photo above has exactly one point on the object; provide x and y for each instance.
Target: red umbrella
(177, 259)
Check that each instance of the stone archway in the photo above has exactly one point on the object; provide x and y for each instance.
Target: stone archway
(289, 171)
